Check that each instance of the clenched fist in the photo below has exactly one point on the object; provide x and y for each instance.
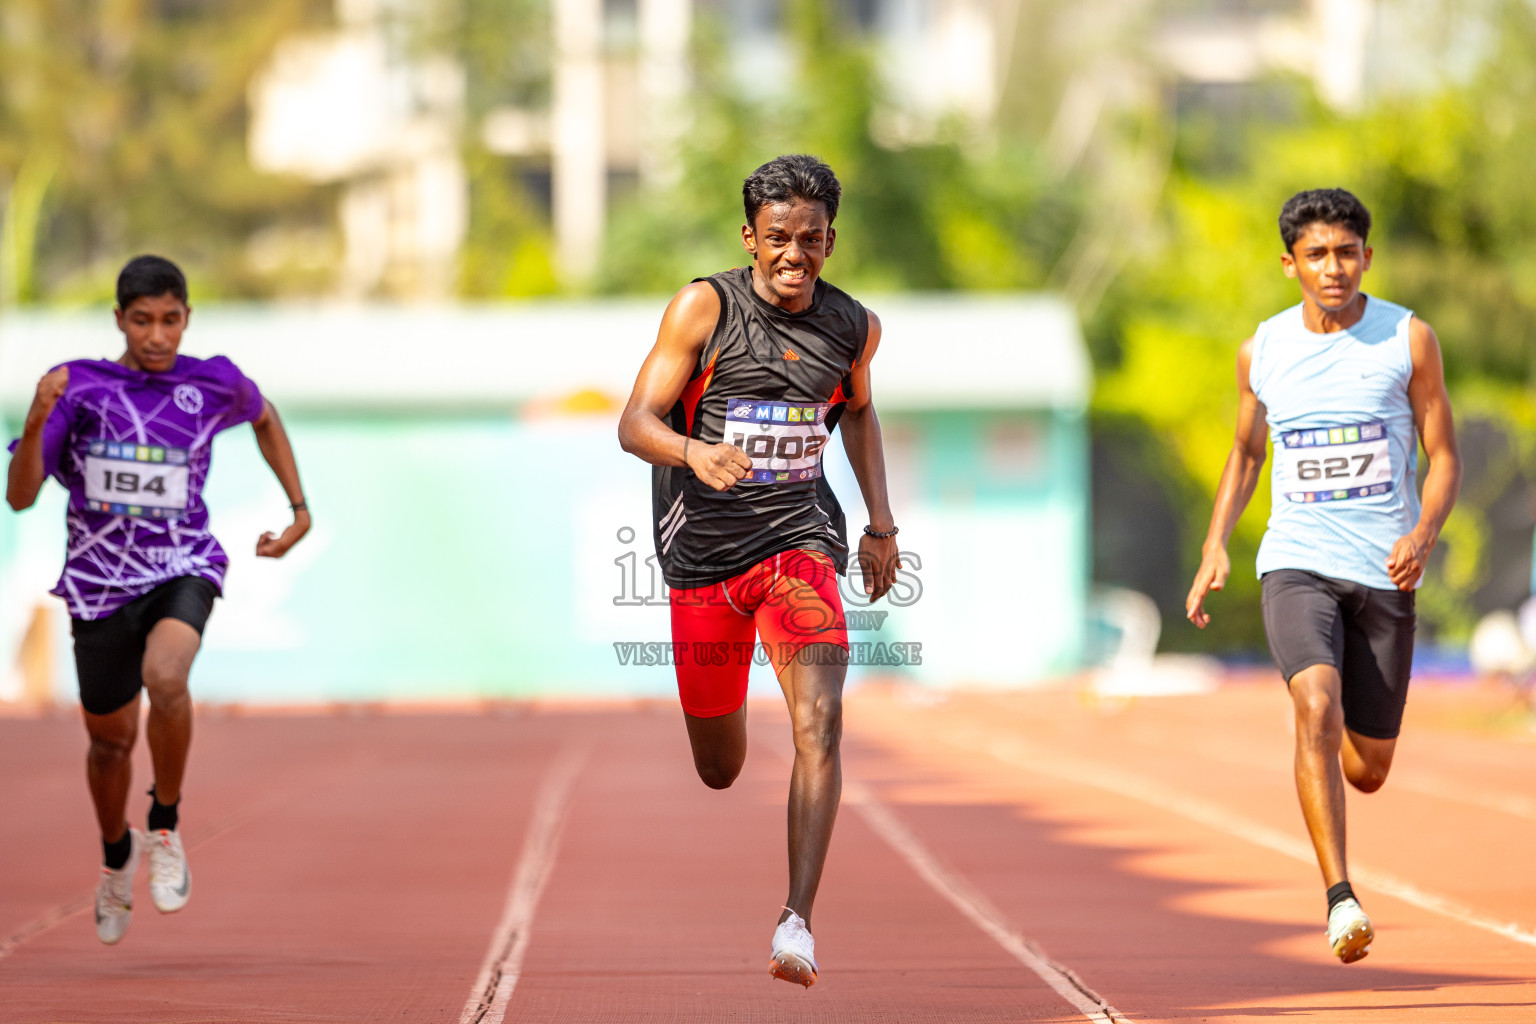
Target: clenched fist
(719, 465)
(49, 390)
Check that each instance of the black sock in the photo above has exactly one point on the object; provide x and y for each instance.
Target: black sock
(1338, 894)
(162, 816)
(115, 855)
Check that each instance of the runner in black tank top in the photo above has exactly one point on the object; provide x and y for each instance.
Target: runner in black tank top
(752, 370)
(760, 361)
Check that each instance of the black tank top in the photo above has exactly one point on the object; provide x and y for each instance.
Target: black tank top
(774, 384)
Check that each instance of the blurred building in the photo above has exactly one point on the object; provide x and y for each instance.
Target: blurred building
(621, 77)
(1235, 42)
(363, 107)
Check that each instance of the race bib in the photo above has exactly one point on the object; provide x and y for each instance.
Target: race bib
(136, 479)
(1334, 463)
(784, 440)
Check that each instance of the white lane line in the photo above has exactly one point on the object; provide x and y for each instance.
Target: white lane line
(977, 908)
(503, 964)
(1017, 753)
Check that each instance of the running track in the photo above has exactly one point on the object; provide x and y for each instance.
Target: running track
(547, 864)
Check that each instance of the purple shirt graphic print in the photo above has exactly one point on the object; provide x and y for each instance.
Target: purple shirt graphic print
(133, 449)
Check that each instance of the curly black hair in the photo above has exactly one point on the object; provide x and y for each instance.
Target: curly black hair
(1329, 205)
(791, 177)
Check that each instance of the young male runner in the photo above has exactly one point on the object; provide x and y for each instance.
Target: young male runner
(130, 440)
(751, 371)
(1349, 384)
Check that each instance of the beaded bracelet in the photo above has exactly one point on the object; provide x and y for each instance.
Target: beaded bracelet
(893, 531)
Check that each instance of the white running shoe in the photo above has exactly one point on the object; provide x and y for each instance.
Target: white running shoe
(170, 880)
(114, 895)
(1349, 931)
(794, 952)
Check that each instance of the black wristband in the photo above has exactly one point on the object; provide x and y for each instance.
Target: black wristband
(893, 531)
(300, 506)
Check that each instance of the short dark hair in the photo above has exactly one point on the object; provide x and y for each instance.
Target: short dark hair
(1329, 205)
(147, 276)
(790, 177)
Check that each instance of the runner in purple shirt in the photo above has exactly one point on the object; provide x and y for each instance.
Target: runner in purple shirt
(131, 441)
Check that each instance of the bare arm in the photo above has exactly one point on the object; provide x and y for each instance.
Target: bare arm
(1238, 479)
(1442, 481)
(28, 471)
(272, 439)
(686, 328)
(878, 556)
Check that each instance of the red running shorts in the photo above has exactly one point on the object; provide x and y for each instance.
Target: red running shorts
(790, 600)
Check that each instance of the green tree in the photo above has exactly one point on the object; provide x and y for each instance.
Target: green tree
(940, 214)
(123, 129)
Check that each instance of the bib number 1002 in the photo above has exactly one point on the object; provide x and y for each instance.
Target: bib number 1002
(1336, 468)
(785, 446)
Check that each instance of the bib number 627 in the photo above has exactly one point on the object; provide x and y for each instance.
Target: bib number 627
(1336, 468)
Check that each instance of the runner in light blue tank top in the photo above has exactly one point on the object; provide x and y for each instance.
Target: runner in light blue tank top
(1346, 452)
(1342, 387)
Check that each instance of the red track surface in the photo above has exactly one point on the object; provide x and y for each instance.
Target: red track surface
(355, 867)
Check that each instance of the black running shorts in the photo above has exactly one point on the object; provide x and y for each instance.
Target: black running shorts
(109, 652)
(1365, 633)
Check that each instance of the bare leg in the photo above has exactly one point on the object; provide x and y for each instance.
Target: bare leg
(168, 654)
(109, 765)
(813, 686)
(1326, 755)
(719, 746)
(1315, 692)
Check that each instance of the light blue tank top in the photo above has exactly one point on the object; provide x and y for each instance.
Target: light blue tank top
(1345, 449)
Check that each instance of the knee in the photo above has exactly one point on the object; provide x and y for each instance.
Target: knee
(108, 751)
(718, 776)
(1368, 773)
(1318, 715)
(1368, 780)
(167, 687)
(819, 726)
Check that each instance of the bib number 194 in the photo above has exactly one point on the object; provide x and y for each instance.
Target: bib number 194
(136, 480)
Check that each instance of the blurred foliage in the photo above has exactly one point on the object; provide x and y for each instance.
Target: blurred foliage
(505, 48)
(953, 211)
(122, 130)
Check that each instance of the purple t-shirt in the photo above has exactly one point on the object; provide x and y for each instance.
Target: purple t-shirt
(133, 449)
